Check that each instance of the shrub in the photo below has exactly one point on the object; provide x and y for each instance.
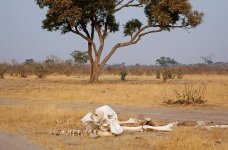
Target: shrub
(179, 73)
(167, 74)
(188, 94)
(158, 74)
(21, 69)
(123, 75)
(3, 69)
(40, 70)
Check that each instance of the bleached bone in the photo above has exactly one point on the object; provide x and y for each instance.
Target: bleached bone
(129, 121)
(133, 129)
(202, 124)
(100, 133)
(168, 127)
(104, 116)
(87, 118)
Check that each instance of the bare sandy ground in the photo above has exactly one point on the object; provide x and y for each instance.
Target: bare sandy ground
(163, 113)
(10, 142)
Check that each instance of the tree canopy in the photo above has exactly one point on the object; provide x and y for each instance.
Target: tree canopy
(166, 61)
(80, 57)
(90, 18)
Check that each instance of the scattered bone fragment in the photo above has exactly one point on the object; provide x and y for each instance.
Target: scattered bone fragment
(202, 124)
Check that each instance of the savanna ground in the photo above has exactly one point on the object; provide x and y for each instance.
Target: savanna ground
(41, 110)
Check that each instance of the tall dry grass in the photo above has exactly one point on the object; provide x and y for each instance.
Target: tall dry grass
(143, 90)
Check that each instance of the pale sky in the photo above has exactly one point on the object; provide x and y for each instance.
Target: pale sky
(21, 36)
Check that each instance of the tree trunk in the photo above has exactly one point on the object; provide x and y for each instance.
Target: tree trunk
(94, 73)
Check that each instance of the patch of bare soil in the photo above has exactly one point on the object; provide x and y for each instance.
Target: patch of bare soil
(10, 142)
(161, 114)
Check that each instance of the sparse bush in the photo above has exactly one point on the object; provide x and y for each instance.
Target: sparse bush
(21, 69)
(158, 74)
(40, 70)
(188, 94)
(179, 73)
(167, 74)
(123, 75)
(123, 72)
(3, 69)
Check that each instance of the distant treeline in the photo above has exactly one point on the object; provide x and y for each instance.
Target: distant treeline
(69, 68)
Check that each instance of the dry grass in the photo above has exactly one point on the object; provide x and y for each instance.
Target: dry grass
(144, 90)
(189, 138)
(39, 118)
(35, 120)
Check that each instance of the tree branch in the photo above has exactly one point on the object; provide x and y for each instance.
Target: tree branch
(128, 4)
(135, 39)
(101, 38)
(76, 31)
(120, 2)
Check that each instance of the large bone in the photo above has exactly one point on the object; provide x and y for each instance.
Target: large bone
(133, 129)
(168, 127)
(129, 121)
(202, 124)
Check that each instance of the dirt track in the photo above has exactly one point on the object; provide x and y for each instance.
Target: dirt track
(163, 113)
(9, 142)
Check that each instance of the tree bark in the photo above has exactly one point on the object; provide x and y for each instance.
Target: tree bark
(95, 73)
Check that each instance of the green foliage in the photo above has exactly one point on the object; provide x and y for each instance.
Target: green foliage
(166, 61)
(169, 14)
(80, 57)
(64, 14)
(131, 27)
(29, 61)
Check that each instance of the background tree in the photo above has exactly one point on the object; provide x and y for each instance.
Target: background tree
(89, 19)
(207, 59)
(29, 62)
(166, 61)
(167, 71)
(80, 57)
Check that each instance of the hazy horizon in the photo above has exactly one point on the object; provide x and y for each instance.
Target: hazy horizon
(22, 37)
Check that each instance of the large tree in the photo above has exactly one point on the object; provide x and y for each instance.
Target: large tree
(97, 18)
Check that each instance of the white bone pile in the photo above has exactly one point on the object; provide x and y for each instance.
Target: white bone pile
(107, 123)
(104, 122)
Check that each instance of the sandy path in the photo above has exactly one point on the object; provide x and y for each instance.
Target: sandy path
(9, 142)
(163, 113)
